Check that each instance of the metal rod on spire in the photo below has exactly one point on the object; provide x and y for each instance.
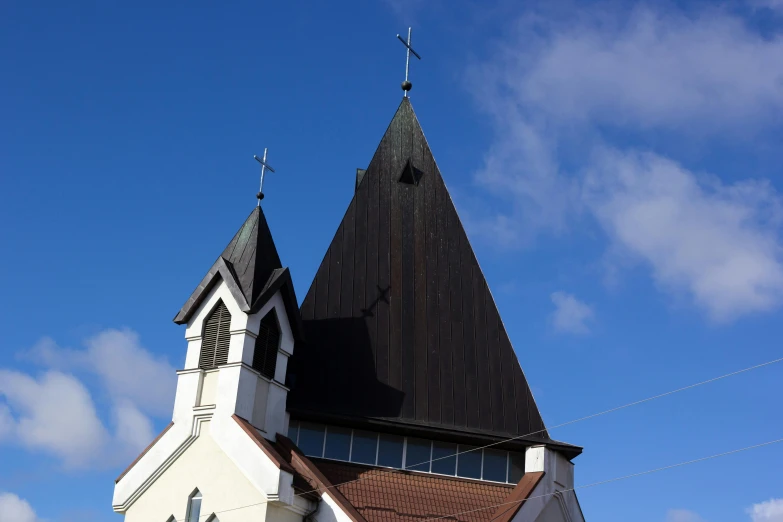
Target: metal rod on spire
(406, 85)
(264, 166)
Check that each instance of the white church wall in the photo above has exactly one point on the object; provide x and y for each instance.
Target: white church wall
(206, 467)
(259, 408)
(188, 388)
(275, 513)
(552, 500)
(553, 512)
(251, 460)
(208, 393)
(276, 416)
(330, 511)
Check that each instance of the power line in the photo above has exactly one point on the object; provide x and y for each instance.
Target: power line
(607, 481)
(594, 415)
(599, 483)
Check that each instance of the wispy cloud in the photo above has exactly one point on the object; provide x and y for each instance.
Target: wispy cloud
(682, 515)
(55, 412)
(718, 242)
(571, 315)
(15, 509)
(769, 511)
(561, 92)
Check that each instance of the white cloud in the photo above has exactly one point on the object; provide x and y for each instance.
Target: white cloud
(55, 413)
(644, 69)
(719, 242)
(134, 429)
(559, 93)
(775, 5)
(127, 369)
(15, 509)
(769, 511)
(682, 515)
(131, 372)
(6, 421)
(571, 315)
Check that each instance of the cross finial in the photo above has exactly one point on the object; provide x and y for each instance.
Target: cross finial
(406, 85)
(264, 167)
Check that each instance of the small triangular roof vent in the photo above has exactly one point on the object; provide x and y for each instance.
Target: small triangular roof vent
(410, 174)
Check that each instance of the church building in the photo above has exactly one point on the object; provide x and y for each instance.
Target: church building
(391, 394)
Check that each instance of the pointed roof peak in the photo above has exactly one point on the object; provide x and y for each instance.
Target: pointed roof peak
(400, 310)
(248, 265)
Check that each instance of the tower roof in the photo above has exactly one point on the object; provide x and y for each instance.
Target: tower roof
(402, 328)
(251, 268)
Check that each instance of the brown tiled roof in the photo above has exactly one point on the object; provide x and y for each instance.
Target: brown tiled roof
(308, 471)
(403, 496)
(522, 491)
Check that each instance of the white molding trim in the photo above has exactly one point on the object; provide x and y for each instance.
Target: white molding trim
(255, 372)
(195, 431)
(189, 370)
(244, 331)
(204, 408)
(563, 506)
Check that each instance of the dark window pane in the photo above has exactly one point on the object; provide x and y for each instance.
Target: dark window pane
(417, 456)
(311, 439)
(338, 443)
(390, 451)
(293, 430)
(469, 464)
(364, 447)
(495, 462)
(516, 467)
(444, 459)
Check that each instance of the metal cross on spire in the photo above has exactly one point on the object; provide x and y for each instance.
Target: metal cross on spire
(406, 85)
(264, 167)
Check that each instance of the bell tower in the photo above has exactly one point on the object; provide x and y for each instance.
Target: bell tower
(242, 321)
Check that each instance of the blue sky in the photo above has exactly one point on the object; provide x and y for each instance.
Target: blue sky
(617, 166)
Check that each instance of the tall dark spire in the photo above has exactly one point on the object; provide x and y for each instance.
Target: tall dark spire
(401, 326)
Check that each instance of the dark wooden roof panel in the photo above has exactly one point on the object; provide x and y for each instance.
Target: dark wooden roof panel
(400, 323)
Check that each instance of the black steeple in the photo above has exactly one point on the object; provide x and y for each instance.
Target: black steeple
(251, 268)
(401, 327)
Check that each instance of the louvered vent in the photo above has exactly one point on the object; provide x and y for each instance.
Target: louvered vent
(215, 339)
(267, 343)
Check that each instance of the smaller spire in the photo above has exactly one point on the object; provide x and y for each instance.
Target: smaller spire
(406, 85)
(264, 166)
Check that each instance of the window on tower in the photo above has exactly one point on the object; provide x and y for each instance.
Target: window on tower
(267, 343)
(215, 338)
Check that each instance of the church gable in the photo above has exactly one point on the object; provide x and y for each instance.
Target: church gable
(399, 320)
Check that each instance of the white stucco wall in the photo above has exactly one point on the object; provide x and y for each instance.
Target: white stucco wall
(553, 499)
(203, 466)
(330, 511)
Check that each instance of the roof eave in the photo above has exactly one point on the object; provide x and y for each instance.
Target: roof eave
(223, 269)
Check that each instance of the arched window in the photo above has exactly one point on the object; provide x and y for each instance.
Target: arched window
(194, 507)
(215, 338)
(267, 343)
